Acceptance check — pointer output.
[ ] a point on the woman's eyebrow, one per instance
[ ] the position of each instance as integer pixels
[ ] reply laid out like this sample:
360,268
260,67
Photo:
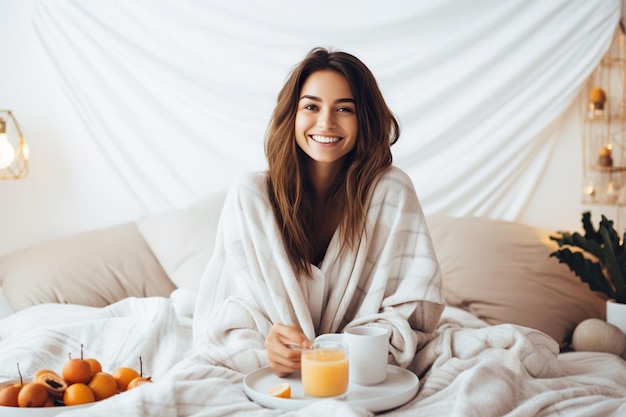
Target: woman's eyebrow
339,100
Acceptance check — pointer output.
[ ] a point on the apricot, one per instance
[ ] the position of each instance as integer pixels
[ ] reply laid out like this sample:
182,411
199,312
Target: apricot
78,393
123,375
55,385
103,385
77,371
140,380
8,395
44,371
32,394
95,365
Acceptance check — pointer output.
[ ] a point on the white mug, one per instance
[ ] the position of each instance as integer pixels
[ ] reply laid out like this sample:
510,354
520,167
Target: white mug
368,352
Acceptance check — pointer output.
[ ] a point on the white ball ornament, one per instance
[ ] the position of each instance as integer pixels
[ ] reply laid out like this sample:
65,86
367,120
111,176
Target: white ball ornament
595,335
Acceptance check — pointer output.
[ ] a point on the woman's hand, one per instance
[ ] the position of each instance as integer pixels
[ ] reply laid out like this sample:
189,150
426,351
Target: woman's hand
283,359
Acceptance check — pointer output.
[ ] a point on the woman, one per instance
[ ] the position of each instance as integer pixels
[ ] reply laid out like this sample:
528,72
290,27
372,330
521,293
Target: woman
331,236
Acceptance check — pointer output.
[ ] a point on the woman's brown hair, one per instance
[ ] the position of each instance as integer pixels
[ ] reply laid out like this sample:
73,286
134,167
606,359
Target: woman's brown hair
288,180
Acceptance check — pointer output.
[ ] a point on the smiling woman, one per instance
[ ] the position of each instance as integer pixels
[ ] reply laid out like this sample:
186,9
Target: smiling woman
332,108
329,237
326,121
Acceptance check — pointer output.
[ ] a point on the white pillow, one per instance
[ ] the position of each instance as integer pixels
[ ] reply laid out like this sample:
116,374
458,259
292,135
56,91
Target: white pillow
94,268
183,240
502,272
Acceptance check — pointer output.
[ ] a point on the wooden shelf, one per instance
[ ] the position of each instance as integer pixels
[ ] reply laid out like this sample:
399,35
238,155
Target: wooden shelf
606,119
604,131
608,170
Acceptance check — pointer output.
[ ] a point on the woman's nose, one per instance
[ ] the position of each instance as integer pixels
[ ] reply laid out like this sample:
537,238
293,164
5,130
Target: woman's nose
326,120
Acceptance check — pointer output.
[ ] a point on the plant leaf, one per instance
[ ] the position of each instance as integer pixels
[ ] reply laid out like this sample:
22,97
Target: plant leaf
602,262
590,231
588,271
610,261
577,240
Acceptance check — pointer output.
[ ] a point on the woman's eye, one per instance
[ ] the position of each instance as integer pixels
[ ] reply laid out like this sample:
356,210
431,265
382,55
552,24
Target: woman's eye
346,109
310,107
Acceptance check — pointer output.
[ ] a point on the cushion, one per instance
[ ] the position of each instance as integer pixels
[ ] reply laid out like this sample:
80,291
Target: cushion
183,239
94,268
502,273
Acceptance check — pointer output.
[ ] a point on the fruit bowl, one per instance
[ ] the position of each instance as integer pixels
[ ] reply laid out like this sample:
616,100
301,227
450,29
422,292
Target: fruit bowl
35,411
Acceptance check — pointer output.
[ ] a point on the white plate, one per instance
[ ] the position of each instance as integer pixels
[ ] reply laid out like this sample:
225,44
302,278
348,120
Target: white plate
34,411
399,388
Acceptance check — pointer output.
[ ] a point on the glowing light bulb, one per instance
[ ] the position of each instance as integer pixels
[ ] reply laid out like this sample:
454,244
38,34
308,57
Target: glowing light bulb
7,153
25,150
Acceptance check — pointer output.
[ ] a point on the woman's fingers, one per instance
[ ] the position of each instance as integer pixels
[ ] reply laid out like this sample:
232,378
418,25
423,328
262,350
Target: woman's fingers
283,359
292,335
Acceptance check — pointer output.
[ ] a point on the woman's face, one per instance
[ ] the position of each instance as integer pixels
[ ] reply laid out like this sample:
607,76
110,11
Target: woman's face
326,122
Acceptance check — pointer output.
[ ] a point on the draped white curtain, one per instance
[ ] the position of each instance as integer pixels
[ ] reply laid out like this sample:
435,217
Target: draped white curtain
178,93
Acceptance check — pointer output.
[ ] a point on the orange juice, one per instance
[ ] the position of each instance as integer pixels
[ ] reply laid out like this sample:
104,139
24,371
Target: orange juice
325,370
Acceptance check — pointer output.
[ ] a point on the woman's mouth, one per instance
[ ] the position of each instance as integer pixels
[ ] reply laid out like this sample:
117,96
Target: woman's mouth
325,139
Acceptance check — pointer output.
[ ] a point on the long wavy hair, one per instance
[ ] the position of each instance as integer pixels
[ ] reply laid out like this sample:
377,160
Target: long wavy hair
289,183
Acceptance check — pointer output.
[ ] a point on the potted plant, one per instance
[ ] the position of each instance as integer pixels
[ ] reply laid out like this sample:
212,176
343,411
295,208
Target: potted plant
599,259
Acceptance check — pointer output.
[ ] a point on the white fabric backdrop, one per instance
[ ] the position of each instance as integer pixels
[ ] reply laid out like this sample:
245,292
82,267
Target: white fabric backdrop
177,93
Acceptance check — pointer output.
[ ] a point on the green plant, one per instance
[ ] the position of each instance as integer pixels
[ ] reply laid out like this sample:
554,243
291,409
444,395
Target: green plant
605,269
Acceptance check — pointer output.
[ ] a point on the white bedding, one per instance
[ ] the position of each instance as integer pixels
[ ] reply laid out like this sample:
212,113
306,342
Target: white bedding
473,368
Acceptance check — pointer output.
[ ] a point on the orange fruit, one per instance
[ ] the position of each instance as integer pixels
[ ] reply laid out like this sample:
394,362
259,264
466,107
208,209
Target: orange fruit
282,390
33,394
103,385
77,370
44,371
123,375
52,381
95,365
8,395
78,393
140,380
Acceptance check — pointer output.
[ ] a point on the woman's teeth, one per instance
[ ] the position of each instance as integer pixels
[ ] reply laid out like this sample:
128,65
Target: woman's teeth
324,139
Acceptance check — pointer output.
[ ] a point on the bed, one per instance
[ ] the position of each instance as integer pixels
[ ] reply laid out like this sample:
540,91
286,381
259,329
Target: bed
502,346
483,90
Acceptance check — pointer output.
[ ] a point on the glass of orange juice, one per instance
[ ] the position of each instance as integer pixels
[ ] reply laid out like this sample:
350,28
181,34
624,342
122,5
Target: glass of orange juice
325,369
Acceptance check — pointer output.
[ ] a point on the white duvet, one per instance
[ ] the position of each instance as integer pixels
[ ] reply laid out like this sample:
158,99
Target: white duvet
472,369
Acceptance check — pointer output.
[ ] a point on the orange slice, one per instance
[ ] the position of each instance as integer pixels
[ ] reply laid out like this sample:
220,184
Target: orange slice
282,390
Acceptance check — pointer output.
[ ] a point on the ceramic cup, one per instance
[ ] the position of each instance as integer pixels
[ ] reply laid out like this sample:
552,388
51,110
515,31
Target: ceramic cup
324,369
368,352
